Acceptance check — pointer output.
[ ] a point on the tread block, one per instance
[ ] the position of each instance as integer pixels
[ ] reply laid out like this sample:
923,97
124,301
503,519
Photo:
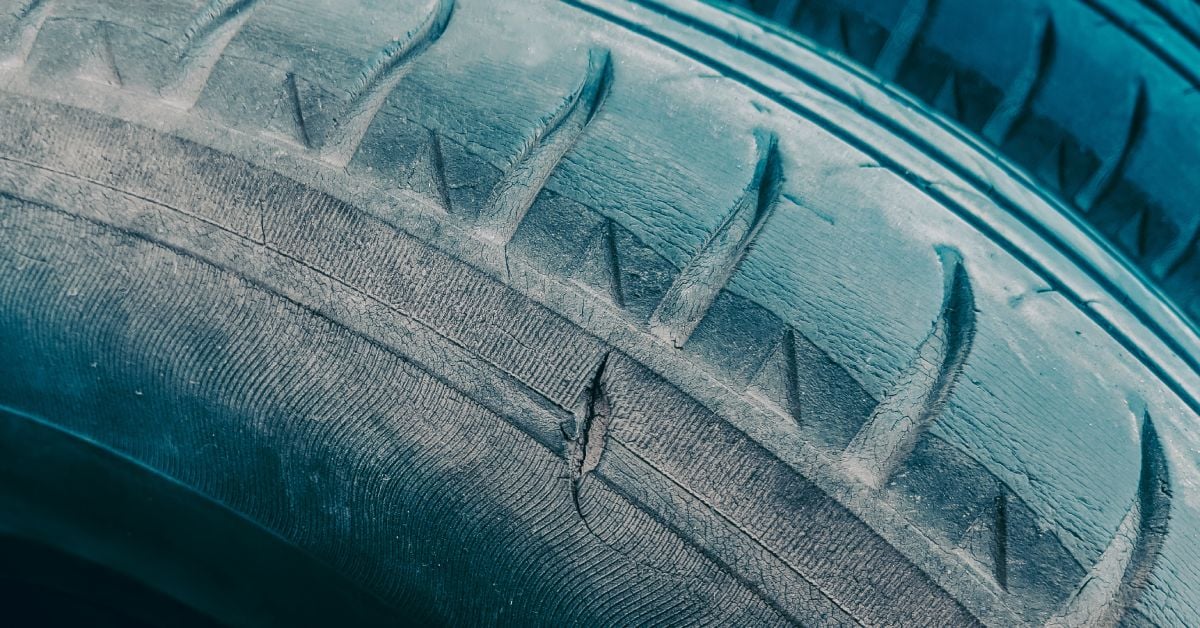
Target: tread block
958,498
560,235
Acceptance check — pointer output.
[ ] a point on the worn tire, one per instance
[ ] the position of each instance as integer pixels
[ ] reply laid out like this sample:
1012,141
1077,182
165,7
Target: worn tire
591,312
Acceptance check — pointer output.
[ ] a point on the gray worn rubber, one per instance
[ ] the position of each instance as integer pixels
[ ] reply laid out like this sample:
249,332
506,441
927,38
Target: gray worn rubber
566,313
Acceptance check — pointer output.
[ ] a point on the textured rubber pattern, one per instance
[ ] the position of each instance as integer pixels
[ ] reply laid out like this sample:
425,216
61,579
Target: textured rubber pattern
559,313
1095,99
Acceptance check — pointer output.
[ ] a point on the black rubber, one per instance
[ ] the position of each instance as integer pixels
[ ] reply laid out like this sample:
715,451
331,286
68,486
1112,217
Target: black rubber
594,312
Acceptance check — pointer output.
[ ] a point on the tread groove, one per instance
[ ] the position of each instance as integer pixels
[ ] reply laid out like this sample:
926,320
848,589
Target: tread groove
30,20
427,173
1025,87
785,11
1000,539
295,111
792,375
602,263
1115,582
1054,165
900,42
100,66
693,291
948,98
787,351
1184,250
378,78
517,189
1107,176
437,170
917,399
202,45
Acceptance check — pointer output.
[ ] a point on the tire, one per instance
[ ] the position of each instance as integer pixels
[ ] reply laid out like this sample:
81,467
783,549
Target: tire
582,312
1106,123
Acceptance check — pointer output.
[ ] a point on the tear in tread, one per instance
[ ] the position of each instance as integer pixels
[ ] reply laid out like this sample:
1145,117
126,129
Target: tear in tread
592,435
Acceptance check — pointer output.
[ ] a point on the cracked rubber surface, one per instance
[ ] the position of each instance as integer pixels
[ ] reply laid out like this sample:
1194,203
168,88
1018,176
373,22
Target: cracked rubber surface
1107,122
563,313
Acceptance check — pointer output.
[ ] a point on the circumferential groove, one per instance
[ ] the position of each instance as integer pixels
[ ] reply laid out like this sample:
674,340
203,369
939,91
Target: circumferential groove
1025,86
378,78
920,394
539,156
30,19
203,43
692,293
1103,181
1116,581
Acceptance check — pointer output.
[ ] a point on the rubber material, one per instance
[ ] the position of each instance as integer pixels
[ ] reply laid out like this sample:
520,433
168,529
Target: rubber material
1105,120
572,312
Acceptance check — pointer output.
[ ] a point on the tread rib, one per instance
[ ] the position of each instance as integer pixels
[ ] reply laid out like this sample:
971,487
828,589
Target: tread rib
917,399
692,293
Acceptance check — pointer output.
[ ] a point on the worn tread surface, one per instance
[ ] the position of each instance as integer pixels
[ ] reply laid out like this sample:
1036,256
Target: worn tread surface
475,328
1108,123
